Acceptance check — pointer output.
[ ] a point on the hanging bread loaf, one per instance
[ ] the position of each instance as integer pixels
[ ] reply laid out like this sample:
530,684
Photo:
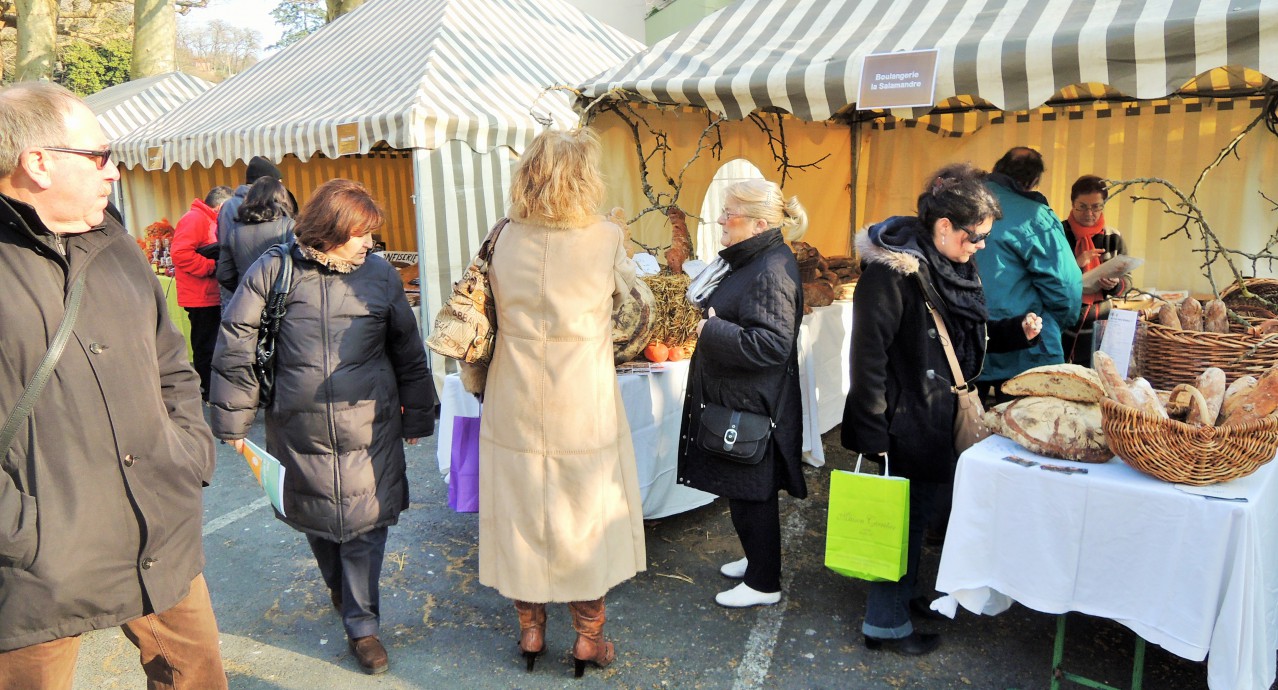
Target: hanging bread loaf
1057,428
1067,381
1215,317
1191,314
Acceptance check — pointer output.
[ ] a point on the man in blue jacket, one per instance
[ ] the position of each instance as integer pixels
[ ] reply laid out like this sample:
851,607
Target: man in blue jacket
1026,266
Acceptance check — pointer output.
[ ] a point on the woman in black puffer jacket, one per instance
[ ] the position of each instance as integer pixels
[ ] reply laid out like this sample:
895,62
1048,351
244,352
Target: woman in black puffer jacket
351,381
747,360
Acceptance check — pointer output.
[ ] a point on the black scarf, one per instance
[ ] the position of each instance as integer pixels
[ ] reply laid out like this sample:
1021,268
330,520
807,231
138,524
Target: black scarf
964,310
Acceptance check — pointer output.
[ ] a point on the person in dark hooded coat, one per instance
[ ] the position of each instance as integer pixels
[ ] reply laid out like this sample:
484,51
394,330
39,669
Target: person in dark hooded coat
902,402
747,360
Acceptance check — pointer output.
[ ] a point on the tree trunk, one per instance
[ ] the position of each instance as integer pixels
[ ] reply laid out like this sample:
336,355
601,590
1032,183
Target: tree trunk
337,8
154,38
37,36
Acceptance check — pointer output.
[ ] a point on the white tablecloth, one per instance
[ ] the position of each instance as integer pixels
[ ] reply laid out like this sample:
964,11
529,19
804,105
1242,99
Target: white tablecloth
1195,575
654,403
825,373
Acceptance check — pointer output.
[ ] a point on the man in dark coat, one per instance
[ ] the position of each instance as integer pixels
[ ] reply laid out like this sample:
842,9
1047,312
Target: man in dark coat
114,452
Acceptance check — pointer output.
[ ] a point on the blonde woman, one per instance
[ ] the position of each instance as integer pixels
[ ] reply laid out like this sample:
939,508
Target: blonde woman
560,518
747,360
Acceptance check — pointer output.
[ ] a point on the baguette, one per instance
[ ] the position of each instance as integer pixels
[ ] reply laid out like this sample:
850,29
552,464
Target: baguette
1241,385
1167,316
1211,383
1191,314
1146,398
1115,387
1215,317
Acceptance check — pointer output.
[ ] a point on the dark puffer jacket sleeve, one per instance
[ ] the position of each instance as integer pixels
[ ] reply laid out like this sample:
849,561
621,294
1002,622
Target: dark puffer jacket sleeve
408,358
234,388
878,305
765,335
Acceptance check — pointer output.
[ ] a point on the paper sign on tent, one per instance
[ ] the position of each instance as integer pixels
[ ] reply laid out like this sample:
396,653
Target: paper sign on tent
269,473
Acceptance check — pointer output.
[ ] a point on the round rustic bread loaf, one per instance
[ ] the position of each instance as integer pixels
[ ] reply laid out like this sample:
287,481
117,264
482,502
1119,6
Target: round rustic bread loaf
1067,381
1058,428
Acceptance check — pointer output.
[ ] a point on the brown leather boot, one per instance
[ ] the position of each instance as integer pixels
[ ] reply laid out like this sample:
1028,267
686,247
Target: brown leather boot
532,630
370,654
588,620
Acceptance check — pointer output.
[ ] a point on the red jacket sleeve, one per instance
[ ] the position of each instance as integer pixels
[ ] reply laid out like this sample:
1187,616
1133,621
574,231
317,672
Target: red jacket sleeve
190,233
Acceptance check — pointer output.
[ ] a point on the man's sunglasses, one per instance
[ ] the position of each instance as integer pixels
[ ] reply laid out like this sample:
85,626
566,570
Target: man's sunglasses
102,155
973,237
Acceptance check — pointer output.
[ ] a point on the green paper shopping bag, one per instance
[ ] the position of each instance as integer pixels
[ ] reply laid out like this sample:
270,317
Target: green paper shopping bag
868,525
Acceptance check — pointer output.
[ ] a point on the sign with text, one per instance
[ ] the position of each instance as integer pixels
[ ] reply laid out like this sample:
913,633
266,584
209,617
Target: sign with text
348,138
154,158
898,80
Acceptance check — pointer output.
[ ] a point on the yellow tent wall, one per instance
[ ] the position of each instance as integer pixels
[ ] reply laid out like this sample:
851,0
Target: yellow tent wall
151,195
1173,141
823,191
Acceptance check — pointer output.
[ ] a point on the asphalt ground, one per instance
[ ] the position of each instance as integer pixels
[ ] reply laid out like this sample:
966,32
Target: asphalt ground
445,630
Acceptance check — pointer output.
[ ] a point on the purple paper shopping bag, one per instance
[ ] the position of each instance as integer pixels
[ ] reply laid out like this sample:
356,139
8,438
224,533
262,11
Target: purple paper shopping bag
463,473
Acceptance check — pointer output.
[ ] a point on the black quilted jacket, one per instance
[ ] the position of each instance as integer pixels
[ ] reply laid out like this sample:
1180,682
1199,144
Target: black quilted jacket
747,359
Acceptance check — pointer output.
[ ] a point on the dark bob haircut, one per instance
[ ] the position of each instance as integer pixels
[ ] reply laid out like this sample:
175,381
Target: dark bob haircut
957,192
267,200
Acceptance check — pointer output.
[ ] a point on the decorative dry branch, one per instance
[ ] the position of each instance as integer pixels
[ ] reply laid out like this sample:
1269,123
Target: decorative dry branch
780,153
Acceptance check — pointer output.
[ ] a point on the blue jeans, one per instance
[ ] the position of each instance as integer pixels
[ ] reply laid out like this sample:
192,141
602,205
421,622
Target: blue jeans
887,605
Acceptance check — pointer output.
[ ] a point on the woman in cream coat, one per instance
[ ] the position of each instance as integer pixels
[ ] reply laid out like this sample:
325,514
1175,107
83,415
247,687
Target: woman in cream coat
560,518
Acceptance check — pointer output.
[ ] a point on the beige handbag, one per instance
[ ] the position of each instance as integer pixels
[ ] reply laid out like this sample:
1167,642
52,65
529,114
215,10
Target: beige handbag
466,326
968,427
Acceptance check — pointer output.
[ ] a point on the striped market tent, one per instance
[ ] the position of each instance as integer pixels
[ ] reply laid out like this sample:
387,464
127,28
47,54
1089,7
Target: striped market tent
1101,86
125,107
426,102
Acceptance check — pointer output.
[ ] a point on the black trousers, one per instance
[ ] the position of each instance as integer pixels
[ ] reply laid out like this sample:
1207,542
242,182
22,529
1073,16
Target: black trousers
758,525
353,567
204,325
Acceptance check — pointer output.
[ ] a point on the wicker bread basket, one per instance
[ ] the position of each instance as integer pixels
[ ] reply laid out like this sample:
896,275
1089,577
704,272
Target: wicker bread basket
1253,310
1168,356
1177,452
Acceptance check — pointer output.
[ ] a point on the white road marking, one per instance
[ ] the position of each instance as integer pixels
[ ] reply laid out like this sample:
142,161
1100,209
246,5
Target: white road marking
219,522
763,636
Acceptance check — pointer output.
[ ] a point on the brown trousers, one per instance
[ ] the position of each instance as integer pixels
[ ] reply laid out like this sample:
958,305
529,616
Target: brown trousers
179,650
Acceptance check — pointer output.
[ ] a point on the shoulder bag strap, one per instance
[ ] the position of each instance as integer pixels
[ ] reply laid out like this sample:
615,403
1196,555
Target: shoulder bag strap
35,387
960,384
490,243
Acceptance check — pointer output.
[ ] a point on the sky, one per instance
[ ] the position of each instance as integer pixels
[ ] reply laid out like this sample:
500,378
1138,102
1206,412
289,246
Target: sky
252,14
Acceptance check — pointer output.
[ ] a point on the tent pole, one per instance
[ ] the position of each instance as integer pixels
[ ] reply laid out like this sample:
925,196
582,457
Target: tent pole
855,126
427,258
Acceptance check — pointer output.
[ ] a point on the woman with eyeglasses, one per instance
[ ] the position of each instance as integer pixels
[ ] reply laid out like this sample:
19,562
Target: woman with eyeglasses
1093,244
901,402
747,362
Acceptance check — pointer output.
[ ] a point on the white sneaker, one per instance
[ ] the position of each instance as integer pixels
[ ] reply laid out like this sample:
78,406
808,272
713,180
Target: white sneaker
735,570
742,596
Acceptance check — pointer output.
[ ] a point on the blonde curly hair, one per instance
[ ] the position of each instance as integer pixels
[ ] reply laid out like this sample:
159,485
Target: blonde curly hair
558,181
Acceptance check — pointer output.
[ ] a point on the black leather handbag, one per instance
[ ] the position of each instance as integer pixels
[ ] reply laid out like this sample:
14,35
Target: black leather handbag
733,434
269,328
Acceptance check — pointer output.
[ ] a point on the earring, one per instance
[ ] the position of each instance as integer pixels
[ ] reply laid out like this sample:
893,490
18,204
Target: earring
943,239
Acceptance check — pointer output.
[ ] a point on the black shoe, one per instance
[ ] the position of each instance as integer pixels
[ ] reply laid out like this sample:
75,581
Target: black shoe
915,644
919,606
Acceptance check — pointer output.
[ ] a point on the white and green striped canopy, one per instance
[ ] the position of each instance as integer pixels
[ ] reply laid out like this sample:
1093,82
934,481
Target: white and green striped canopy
411,73
125,107
804,56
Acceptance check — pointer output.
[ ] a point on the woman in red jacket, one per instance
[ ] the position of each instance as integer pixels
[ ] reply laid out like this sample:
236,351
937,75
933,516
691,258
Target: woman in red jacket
197,288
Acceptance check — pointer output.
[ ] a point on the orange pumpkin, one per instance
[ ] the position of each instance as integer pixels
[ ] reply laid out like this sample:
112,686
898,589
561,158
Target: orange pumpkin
676,354
656,352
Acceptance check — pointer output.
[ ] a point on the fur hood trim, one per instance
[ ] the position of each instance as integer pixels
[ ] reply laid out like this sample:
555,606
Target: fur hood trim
870,252
332,262
562,224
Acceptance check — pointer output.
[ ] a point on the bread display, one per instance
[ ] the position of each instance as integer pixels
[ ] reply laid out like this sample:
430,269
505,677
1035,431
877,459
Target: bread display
822,277
1211,383
1215,317
1168,316
1146,399
1057,428
1065,381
